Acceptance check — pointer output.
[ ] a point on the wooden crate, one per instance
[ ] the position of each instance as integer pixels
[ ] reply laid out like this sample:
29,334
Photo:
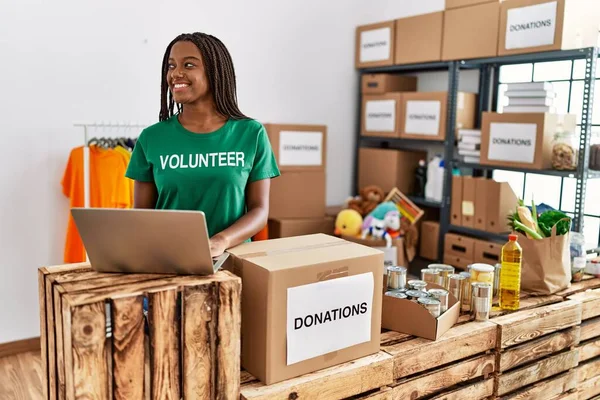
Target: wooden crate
189,346
535,345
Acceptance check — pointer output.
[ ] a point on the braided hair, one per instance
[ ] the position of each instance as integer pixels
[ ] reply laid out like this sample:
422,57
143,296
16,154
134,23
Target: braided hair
219,71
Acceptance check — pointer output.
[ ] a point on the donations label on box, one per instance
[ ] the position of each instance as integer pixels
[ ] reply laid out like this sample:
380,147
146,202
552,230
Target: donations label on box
380,115
328,316
375,44
422,117
531,26
300,148
512,142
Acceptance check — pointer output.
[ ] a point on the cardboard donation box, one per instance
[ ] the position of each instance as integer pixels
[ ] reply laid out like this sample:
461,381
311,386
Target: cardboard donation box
394,255
381,114
298,147
528,26
385,83
308,303
424,114
522,140
471,32
374,45
297,194
388,168
419,38
279,228
405,316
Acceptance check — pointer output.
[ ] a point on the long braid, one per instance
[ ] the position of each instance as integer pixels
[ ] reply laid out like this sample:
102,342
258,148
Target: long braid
219,72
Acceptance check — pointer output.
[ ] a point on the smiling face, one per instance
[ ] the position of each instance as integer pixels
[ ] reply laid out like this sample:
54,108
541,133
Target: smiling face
186,76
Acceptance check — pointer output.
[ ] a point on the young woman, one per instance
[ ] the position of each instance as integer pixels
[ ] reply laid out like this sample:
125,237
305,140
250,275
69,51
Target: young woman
207,156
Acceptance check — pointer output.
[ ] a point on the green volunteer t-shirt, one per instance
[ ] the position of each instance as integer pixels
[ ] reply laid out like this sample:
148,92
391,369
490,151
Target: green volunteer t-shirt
205,172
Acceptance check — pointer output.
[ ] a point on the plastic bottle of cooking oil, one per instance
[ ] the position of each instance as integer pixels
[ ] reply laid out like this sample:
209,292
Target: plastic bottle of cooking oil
510,274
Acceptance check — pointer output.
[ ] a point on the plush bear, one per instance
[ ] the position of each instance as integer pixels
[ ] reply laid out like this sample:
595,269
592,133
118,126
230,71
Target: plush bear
370,197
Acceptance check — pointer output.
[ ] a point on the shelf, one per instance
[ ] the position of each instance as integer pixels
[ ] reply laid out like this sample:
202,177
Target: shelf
421,67
420,201
552,172
499,237
397,143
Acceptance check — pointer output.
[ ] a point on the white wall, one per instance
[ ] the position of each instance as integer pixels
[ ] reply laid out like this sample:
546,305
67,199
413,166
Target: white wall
64,61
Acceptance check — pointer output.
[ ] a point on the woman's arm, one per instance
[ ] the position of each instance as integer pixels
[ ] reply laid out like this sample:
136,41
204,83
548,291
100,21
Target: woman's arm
257,202
144,194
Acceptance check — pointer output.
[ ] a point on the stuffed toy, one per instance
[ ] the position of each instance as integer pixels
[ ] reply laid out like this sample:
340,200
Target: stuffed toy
383,223
370,197
348,223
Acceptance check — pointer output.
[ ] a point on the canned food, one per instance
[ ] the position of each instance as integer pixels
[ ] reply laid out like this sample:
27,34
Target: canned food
432,305
466,302
396,277
442,296
431,275
482,294
397,294
416,284
445,271
455,286
416,294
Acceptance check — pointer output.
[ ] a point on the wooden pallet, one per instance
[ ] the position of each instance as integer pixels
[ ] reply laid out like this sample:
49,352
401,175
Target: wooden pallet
535,345
191,348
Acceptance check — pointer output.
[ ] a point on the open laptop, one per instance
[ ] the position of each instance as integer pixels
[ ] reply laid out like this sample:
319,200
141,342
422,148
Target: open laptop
146,241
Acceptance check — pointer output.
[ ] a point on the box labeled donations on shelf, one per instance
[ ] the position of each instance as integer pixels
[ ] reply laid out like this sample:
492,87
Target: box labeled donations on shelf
522,140
388,168
419,38
375,45
528,26
385,83
308,303
381,114
424,114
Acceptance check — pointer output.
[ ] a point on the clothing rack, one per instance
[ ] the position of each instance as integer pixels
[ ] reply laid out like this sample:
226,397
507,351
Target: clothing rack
86,148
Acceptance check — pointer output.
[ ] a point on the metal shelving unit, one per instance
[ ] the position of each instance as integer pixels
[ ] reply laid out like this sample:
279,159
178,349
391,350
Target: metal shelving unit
489,69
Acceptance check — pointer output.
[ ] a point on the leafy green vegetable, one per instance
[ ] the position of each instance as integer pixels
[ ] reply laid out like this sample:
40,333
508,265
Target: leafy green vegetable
550,218
526,229
543,222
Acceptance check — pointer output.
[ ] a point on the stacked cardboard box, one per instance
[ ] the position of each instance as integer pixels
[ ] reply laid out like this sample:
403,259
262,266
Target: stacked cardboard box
532,97
297,200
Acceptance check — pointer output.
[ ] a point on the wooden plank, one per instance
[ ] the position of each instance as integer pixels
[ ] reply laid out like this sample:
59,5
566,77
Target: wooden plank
389,338
138,288
89,374
439,380
539,348
527,302
128,348
53,324
228,339
341,381
64,268
460,342
588,283
109,281
547,389
164,342
589,350
20,346
590,303
524,326
60,314
590,329
567,396
588,370
43,334
545,368
199,340
384,393
589,389
479,390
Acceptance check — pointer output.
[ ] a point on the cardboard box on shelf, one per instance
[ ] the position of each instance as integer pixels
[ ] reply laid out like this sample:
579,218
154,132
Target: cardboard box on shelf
280,228
468,202
481,200
450,4
386,83
521,140
394,255
299,294
419,38
388,168
375,45
528,26
398,312
298,147
430,234
471,32
457,261
487,252
456,200
501,202
381,114
459,246
424,114
298,194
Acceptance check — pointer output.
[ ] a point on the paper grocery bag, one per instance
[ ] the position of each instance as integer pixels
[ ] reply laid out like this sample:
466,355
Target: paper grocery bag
546,266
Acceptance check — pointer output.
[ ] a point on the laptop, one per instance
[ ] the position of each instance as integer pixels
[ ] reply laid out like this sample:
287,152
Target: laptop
146,241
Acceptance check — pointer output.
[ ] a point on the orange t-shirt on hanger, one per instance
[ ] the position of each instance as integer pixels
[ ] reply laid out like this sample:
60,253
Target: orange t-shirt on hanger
109,188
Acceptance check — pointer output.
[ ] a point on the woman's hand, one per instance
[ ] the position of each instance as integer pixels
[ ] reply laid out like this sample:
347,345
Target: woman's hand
218,245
